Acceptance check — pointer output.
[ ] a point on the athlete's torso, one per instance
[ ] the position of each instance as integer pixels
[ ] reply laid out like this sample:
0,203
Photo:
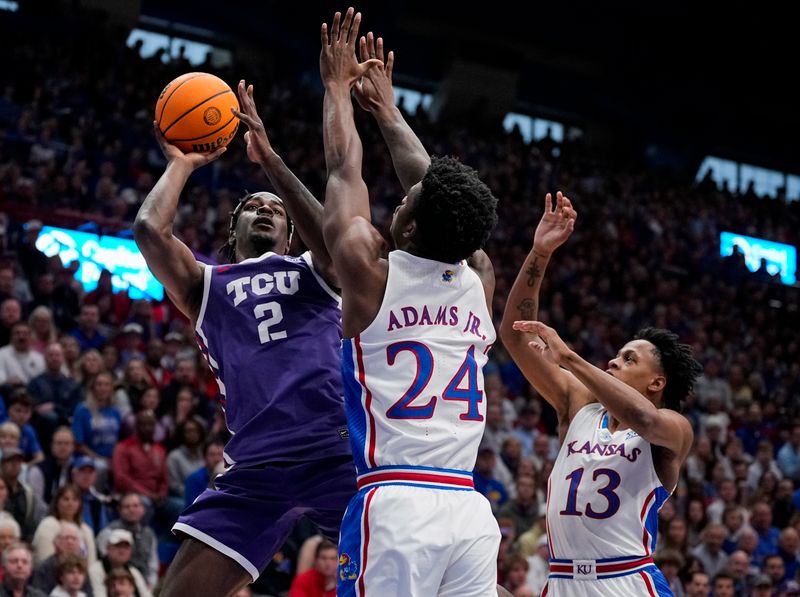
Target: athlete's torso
413,378
604,493
270,329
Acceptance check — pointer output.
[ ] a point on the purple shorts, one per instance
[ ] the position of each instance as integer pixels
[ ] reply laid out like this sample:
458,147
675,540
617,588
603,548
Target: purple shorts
252,510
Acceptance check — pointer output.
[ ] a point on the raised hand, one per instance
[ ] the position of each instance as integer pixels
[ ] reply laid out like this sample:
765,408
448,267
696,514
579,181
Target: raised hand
549,344
337,60
173,154
374,90
556,226
258,145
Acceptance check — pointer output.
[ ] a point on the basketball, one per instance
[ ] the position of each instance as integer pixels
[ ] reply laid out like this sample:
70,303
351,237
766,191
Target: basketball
193,113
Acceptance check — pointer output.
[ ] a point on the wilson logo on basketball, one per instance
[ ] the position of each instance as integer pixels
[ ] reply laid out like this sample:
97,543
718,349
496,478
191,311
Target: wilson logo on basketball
212,116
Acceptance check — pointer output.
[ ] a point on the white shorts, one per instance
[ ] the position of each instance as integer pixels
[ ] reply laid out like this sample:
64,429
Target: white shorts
399,540
644,582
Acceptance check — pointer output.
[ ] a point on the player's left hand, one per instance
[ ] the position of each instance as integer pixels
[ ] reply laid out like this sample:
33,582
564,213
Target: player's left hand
374,91
556,225
549,344
337,61
258,145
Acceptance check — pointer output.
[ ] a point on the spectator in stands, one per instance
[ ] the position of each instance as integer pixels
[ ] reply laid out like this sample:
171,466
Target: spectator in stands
18,567
723,585
199,480
789,456
20,409
43,329
130,342
11,286
157,373
150,400
320,581
789,588
727,497
95,504
68,544
709,551
670,563
97,423
740,569
87,332
762,586
697,521
764,463
131,519
120,583
22,503
55,395
761,521
10,315
19,363
72,353
483,477
53,472
185,408
789,550
73,579
140,464
66,506
698,585
133,385
775,569
523,510
783,506
529,427
119,550
187,456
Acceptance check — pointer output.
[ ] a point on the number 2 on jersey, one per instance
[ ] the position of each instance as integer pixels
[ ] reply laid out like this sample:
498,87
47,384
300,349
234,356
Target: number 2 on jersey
403,408
275,316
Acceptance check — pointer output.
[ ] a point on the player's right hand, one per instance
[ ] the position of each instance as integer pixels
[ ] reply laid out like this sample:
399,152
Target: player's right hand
374,91
556,225
173,154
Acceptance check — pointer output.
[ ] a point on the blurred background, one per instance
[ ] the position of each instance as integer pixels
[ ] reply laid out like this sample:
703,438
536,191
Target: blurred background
672,130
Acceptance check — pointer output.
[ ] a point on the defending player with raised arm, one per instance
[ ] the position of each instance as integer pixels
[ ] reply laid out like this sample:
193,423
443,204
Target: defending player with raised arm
266,323
622,451
554,228
417,328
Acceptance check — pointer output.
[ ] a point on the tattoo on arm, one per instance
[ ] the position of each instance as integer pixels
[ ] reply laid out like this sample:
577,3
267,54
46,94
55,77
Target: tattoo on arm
527,308
534,272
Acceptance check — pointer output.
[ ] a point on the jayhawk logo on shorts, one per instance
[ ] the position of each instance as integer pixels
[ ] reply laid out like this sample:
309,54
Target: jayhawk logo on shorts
447,276
348,569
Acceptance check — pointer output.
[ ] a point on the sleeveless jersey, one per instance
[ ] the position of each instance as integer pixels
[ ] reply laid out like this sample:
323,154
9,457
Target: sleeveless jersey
270,329
413,379
603,494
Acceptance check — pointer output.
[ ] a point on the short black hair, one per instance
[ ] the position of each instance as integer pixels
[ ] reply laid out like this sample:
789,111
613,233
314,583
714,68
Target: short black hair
678,363
455,211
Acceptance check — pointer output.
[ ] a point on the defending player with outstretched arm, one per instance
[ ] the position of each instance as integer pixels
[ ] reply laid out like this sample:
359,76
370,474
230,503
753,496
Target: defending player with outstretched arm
623,438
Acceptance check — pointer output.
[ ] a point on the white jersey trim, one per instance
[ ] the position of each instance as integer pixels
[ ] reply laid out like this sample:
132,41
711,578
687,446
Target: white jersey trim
206,288
219,546
309,260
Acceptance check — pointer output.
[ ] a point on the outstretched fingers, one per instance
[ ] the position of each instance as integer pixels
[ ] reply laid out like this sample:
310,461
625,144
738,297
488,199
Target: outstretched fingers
352,34
389,64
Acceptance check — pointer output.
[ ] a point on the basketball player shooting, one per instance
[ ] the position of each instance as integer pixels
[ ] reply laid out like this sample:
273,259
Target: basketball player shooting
267,324
417,328
623,437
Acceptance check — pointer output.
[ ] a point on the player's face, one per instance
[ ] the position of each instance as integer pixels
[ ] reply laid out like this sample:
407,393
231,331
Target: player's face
637,366
402,226
262,226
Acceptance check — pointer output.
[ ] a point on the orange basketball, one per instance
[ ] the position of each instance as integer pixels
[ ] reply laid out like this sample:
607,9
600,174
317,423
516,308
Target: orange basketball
193,113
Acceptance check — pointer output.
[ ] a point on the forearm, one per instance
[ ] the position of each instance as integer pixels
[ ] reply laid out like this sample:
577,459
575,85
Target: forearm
523,300
409,156
623,402
343,156
159,208
303,208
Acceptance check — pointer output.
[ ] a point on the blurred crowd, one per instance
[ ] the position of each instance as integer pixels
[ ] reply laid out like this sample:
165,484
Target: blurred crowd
110,422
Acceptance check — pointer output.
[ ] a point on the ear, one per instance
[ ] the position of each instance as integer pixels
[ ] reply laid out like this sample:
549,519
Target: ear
657,384
410,229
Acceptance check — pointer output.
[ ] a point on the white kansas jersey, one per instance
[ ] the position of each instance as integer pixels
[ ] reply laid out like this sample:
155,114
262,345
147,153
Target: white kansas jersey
414,380
603,494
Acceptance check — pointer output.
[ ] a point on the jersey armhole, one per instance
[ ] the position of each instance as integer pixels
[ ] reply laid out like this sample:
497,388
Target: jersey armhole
333,294
206,291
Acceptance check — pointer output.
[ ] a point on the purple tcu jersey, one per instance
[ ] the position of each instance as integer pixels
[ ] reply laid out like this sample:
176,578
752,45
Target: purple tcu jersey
270,328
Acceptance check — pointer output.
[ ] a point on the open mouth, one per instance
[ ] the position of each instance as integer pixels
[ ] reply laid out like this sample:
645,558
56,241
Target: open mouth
263,223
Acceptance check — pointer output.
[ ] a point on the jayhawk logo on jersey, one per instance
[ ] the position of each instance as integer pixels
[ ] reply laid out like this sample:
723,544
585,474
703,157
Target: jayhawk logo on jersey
348,569
447,275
